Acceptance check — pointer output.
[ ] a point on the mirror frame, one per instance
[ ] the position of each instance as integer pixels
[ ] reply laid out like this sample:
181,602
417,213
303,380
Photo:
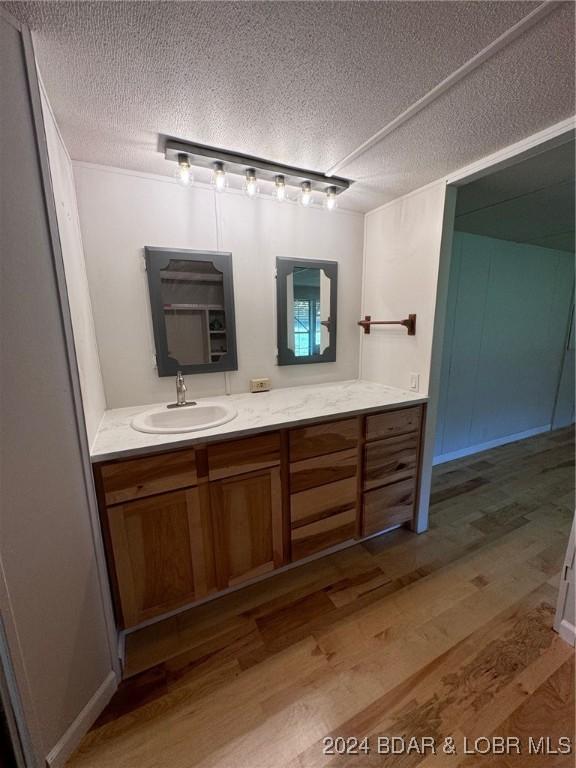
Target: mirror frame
156,259
284,267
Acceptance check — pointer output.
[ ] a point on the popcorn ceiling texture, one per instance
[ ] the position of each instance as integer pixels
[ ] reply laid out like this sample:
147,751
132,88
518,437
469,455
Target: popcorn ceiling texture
299,82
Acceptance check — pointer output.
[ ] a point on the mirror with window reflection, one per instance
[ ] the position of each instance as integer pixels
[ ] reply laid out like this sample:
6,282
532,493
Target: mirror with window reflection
192,303
307,308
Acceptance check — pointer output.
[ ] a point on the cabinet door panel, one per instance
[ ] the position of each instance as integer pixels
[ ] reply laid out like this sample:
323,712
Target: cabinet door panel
388,461
160,553
247,518
388,506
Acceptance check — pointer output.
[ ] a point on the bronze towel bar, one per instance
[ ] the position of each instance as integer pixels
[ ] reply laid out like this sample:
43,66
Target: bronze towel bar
409,323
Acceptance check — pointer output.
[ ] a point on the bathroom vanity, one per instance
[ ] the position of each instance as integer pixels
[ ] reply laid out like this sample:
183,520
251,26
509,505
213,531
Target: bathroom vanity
298,473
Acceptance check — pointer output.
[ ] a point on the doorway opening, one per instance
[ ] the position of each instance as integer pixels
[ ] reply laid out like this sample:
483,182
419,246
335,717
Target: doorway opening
505,407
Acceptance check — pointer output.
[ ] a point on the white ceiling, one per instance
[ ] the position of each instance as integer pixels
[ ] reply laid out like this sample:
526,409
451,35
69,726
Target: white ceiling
530,202
303,83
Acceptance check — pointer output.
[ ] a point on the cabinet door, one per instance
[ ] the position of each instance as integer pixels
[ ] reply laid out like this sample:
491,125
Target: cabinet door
247,519
162,553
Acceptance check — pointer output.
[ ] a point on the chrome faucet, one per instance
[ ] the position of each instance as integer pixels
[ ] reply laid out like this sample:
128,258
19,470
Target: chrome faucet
180,389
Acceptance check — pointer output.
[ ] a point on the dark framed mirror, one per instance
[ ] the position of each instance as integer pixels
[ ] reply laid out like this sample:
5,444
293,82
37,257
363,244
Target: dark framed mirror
307,308
192,303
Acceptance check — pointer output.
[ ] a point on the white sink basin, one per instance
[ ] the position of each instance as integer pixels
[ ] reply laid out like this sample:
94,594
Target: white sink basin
189,418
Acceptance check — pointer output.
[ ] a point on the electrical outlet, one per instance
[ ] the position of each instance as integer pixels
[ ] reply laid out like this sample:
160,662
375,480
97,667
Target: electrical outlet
259,385
415,381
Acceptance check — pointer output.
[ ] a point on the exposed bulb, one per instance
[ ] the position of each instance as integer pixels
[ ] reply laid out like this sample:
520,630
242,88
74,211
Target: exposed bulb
219,176
331,201
305,194
184,174
280,188
250,185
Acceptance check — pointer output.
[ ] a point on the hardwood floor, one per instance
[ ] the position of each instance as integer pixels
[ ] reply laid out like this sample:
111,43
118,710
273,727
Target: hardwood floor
446,634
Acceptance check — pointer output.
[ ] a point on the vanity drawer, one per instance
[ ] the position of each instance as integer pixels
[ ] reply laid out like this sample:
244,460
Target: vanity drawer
325,533
388,461
388,506
137,478
235,457
321,470
393,423
322,517
307,442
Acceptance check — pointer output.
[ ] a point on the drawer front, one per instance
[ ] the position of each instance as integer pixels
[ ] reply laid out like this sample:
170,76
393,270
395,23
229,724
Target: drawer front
388,461
388,506
307,442
320,470
322,517
235,457
393,423
138,478
323,534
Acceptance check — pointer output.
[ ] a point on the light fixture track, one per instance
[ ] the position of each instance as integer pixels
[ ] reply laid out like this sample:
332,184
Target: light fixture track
203,156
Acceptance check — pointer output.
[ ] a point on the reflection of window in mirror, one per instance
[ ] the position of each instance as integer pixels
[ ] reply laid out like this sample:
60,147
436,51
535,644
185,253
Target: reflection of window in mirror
193,310
307,311
304,332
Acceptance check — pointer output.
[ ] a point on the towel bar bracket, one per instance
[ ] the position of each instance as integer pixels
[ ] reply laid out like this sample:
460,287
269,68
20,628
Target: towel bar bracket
409,323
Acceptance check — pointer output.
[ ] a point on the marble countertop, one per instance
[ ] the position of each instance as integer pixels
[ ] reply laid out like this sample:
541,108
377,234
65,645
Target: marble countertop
256,413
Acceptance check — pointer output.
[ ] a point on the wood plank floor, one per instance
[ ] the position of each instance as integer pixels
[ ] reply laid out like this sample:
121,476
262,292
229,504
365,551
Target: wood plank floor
444,634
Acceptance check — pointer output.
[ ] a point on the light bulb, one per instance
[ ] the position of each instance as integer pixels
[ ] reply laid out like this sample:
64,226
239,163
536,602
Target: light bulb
305,194
280,188
218,176
184,173
331,202
250,185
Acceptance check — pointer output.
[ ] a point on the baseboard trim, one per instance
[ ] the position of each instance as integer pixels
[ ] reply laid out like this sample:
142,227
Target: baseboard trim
479,447
567,632
62,750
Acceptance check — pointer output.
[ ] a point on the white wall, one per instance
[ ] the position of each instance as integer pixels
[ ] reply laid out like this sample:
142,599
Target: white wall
401,261
508,314
121,212
91,383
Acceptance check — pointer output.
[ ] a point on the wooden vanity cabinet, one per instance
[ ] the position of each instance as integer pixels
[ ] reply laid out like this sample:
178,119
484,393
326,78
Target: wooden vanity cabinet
186,524
183,524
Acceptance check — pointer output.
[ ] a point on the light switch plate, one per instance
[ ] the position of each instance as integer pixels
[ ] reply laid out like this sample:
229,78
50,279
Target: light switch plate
259,385
415,381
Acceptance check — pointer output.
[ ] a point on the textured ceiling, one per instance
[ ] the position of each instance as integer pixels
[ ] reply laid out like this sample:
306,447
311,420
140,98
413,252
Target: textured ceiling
303,83
530,202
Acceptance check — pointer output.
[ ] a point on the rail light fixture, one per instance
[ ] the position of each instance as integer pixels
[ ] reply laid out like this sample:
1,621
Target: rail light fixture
222,163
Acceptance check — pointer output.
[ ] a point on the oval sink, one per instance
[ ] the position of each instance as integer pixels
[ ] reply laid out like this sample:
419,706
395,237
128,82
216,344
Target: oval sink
187,418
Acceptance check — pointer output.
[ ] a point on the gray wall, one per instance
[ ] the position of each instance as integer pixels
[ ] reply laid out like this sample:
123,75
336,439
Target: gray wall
507,321
52,598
